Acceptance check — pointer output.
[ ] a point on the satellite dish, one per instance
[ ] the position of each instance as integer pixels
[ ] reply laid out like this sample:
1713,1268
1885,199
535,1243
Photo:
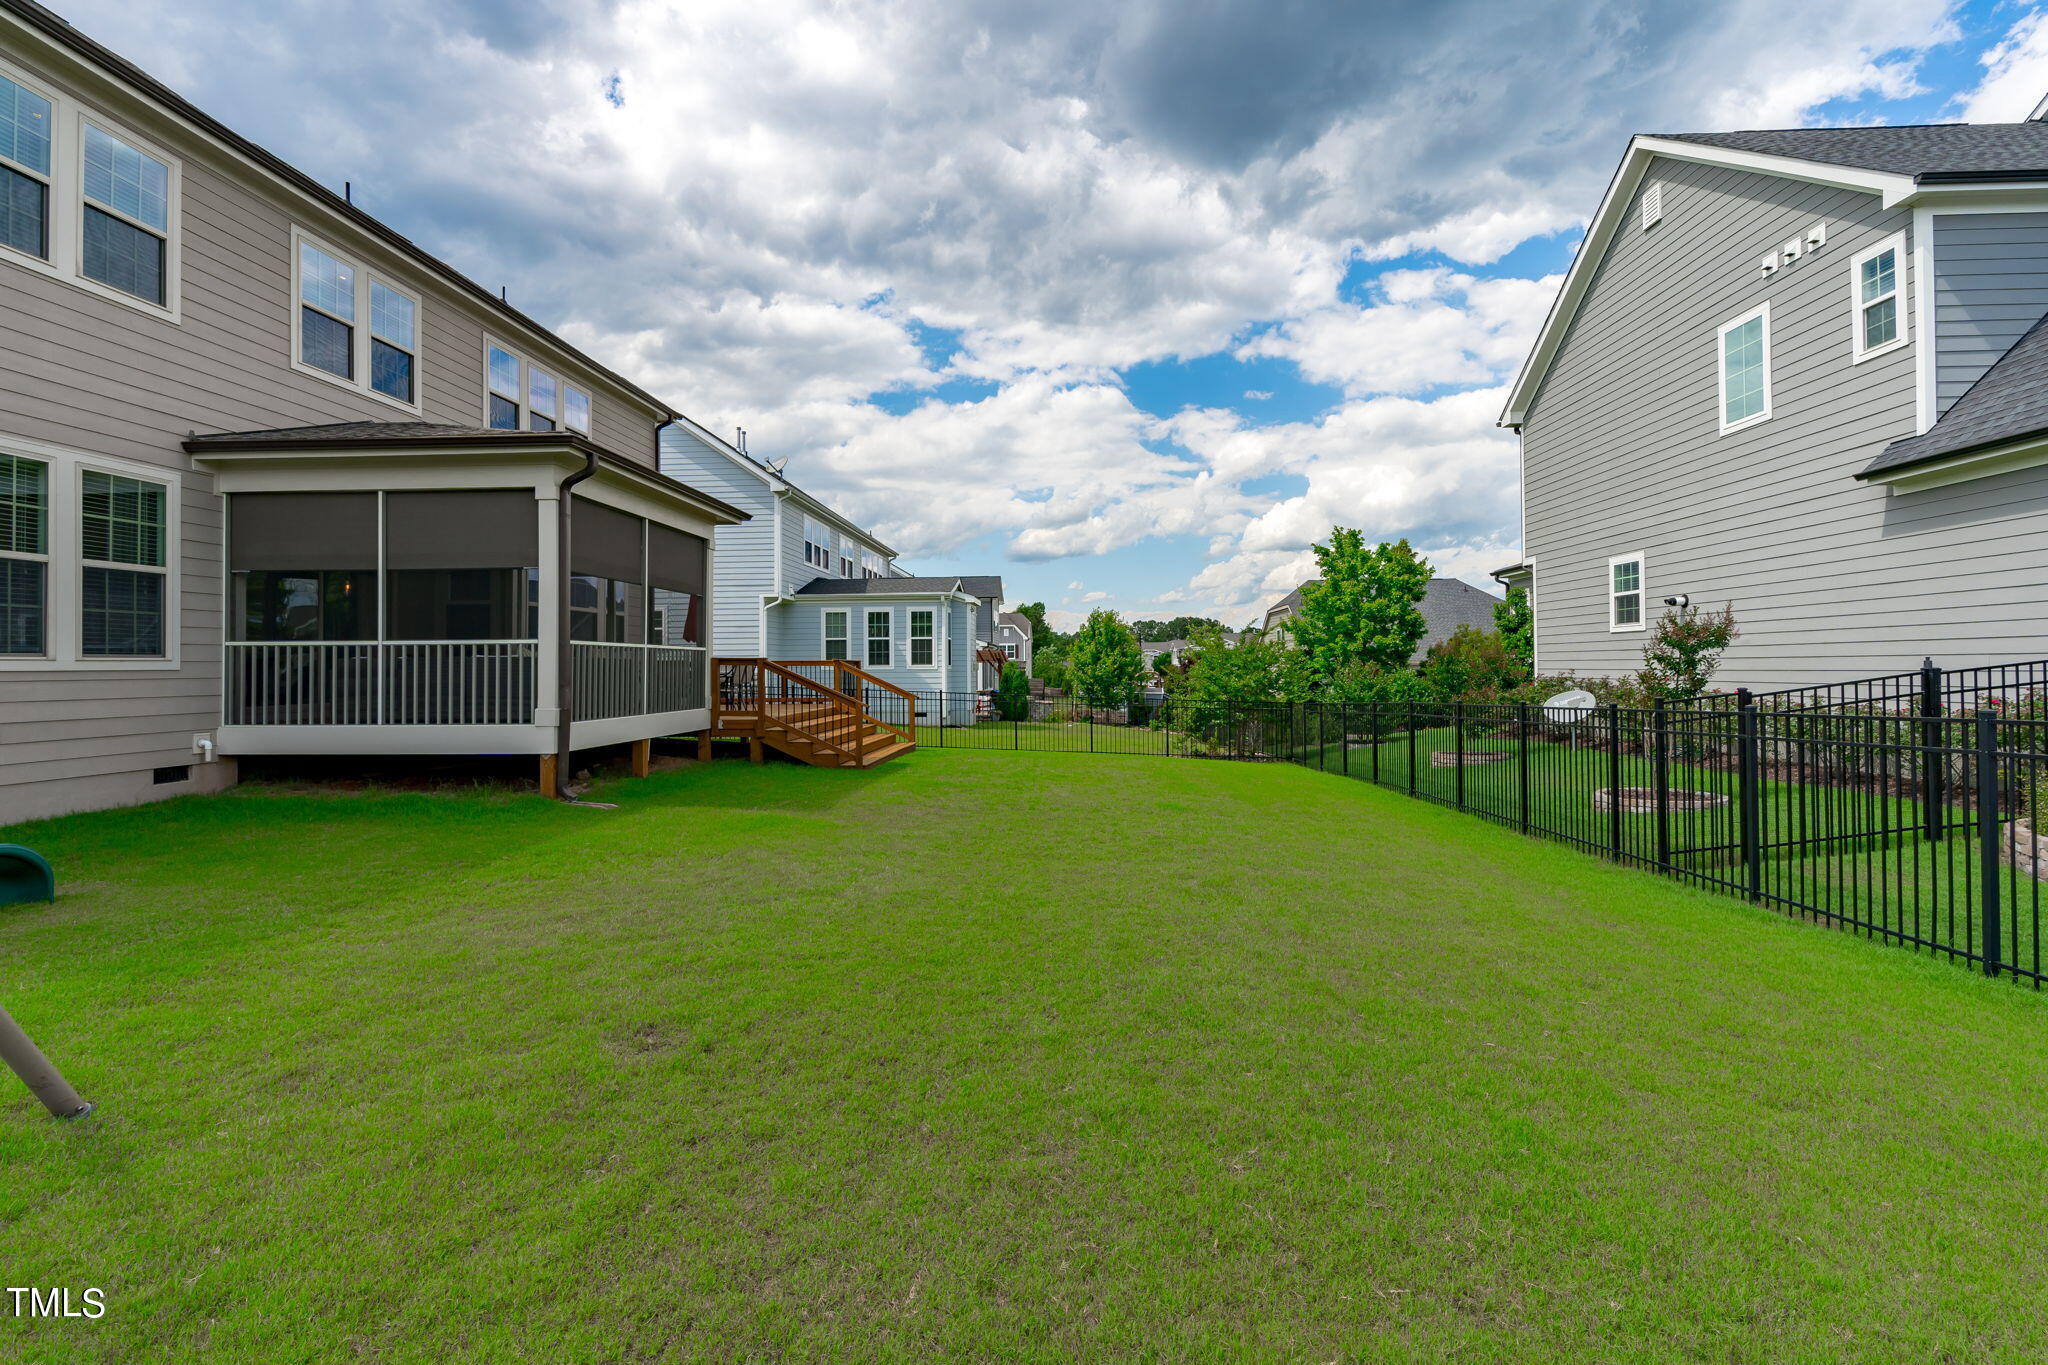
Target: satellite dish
1568,707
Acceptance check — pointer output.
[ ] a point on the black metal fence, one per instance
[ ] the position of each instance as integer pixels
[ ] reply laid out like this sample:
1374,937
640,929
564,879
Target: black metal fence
1915,829
1928,690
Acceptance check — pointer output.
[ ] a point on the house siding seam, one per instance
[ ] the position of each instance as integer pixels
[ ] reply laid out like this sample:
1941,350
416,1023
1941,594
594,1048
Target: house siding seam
90,375
1829,578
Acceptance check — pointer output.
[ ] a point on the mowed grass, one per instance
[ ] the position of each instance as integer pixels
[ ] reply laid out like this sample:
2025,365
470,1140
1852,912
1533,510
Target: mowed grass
983,1056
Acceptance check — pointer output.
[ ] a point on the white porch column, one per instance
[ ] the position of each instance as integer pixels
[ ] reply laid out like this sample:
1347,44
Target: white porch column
546,674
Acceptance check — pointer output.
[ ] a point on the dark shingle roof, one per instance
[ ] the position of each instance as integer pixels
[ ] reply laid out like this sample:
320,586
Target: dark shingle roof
415,435
1926,151
975,585
2008,401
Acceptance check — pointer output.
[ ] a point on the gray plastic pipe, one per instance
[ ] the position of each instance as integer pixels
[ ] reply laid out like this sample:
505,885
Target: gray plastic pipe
27,1061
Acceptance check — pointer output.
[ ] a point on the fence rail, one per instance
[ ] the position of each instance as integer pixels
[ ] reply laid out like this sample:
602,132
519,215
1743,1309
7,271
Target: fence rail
1928,690
1914,829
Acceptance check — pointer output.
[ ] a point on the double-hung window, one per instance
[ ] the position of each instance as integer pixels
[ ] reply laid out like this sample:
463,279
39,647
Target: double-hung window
127,217
24,556
336,297
1625,592
837,644
1875,280
523,396
881,641
817,545
870,564
1744,351
122,597
85,201
24,169
923,639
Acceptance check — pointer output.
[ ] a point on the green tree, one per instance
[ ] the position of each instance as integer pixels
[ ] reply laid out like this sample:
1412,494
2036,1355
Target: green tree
1515,619
1179,628
1104,662
1473,665
1013,694
1364,608
1684,649
1220,677
1043,636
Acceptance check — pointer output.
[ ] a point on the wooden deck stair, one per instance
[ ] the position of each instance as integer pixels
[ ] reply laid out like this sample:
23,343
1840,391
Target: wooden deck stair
817,711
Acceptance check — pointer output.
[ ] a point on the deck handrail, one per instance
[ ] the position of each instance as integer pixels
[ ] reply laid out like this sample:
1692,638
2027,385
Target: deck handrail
851,703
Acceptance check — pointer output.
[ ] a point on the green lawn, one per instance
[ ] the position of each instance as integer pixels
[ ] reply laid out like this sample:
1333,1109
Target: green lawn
989,1056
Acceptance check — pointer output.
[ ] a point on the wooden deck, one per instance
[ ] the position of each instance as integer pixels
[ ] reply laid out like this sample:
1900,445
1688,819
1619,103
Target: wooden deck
809,709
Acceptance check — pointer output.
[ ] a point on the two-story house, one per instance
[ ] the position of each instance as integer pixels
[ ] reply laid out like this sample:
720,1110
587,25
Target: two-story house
1013,639
798,582
1800,372
273,480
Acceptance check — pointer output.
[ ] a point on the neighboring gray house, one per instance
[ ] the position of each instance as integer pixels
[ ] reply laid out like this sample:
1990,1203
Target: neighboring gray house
275,481
1013,638
798,582
1447,604
1177,650
1802,372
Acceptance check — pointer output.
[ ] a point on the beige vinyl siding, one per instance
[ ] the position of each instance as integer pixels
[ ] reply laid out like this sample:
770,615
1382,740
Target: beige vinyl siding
100,378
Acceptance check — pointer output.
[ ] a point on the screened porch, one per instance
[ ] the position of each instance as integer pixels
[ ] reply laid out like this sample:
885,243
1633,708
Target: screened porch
425,620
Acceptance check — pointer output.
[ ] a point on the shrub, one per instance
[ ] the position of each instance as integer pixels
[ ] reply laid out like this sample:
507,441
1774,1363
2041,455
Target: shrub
1473,665
1013,694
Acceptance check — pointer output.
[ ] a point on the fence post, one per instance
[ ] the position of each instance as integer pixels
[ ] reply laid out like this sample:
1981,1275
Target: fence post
1344,737
1987,837
1411,748
1752,854
1933,763
1661,775
1458,748
1522,762
1375,736
1614,780
1091,729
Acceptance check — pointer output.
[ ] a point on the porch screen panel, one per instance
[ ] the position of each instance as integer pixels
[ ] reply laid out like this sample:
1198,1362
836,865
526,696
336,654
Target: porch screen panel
484,529
676,571
604,543
302,531
675,559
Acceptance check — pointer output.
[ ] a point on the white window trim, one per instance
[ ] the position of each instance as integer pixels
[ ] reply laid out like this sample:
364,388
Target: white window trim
910,636
64,581
1721,370
1642,620
866,621
825,631
66,223
359,339
527,365
818,534
1896,244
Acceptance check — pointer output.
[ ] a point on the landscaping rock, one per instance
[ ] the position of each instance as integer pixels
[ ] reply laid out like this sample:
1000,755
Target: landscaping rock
1643,800
1449,758
2023,850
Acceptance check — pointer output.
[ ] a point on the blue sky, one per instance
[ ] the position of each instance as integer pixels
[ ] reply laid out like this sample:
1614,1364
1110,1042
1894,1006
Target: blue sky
1128,303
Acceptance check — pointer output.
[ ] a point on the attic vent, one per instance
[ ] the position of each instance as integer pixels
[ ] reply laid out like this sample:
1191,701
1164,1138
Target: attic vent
1653,206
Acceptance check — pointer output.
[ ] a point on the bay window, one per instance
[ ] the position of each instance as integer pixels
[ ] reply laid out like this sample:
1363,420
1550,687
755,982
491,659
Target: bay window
923,638
880,638
817,545
521,396
540,400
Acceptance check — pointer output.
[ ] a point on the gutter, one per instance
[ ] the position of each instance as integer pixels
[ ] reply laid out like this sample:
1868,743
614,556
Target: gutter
565,649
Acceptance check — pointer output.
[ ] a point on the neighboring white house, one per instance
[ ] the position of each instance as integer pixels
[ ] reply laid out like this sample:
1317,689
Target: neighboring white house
801,582
1447,604
1805,373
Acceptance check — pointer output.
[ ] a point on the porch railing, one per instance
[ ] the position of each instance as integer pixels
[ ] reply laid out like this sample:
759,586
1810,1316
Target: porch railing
367,682
637,680
447,682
